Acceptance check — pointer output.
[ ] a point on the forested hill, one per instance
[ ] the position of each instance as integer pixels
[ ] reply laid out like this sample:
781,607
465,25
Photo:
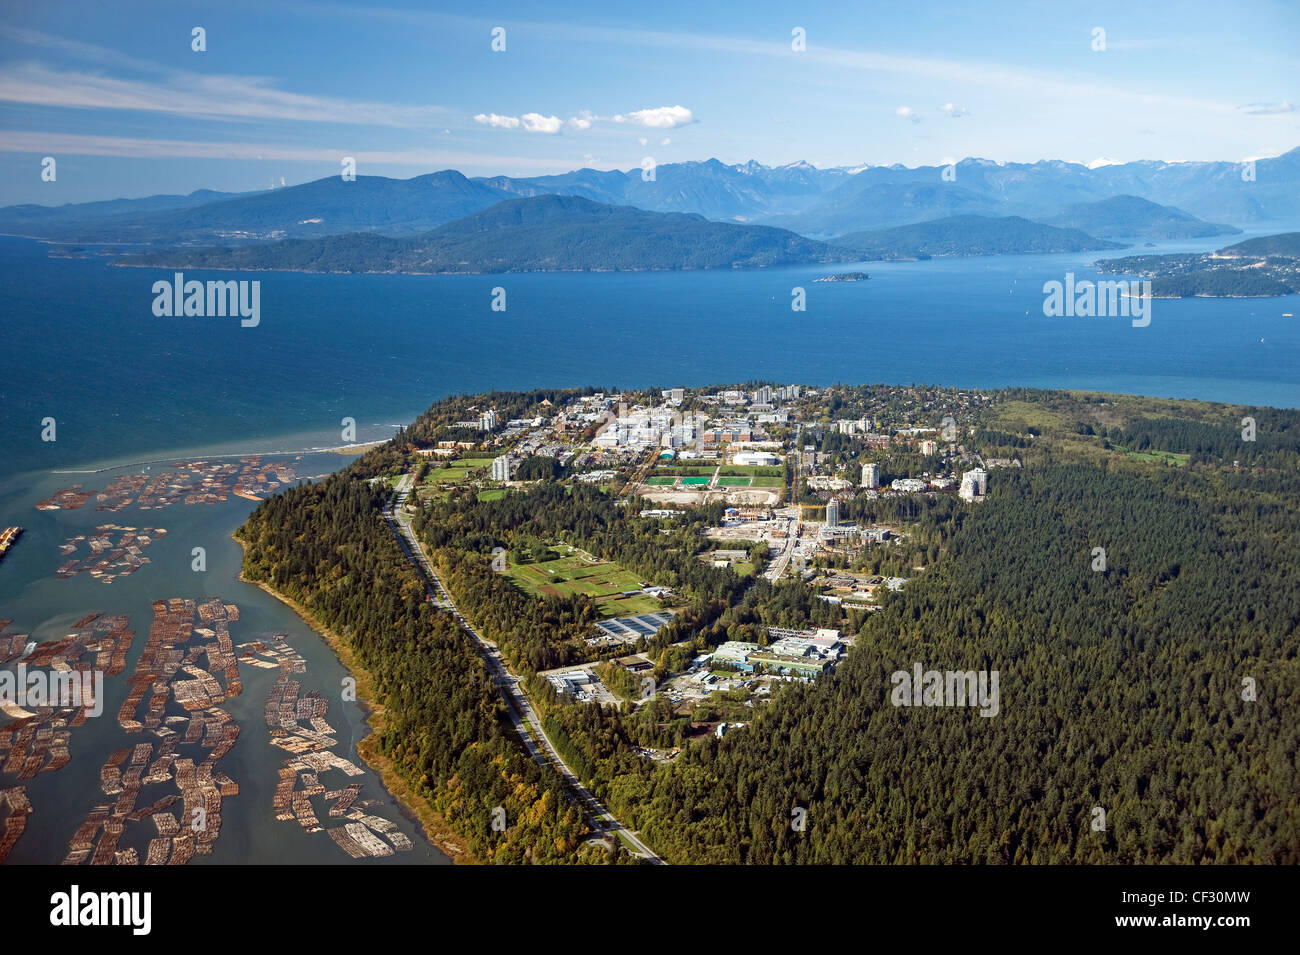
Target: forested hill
539,234
969,235
1260,267
1158,690
1120,690
326,547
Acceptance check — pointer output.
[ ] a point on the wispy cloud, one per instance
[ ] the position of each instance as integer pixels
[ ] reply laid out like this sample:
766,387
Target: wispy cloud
1268,109
204,97
662,117
35,142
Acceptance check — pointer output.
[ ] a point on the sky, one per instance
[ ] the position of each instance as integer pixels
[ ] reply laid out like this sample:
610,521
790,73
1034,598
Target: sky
284,89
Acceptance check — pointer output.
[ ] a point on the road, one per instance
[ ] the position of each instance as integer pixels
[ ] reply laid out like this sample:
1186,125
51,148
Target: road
522,716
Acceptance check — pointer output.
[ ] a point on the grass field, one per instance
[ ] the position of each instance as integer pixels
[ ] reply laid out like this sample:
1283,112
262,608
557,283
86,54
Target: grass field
602,580
448,475
694,481
734,481
767,482
475,462
492,494
1168,457
753,470
661,481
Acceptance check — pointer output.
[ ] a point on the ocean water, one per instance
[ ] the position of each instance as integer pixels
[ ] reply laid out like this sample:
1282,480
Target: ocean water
80,344
127,390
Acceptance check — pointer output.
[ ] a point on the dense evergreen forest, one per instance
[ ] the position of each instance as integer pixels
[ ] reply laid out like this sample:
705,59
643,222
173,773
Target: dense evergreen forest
327,547
1120,689
1159,688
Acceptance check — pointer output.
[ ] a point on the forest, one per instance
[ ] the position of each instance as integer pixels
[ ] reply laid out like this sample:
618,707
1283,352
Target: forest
327,547
1144,619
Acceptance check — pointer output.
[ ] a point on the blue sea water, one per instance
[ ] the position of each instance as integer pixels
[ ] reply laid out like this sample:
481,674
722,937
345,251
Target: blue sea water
80,344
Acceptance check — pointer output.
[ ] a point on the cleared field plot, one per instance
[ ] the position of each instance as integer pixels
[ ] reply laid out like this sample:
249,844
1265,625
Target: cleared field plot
447,475
492,494
602,581
1168,457
694,481
767,482
735,481
661,481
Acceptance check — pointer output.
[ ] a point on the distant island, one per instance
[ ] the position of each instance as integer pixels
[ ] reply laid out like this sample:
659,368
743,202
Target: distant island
1135,217
1265,267
538,234
969,235
844,277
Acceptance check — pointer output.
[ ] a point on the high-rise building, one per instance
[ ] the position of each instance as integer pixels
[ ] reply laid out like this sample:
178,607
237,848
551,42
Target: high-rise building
973,484
501,468
833,512
871,475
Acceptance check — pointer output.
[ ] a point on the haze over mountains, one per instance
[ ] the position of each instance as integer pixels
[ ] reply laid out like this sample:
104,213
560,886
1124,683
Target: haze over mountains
690,215
818,203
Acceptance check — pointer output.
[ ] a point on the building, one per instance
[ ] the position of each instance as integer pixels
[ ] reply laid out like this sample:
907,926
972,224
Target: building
833,512
501,468
871,475
909,485
487,421
929,447
762,458
974,485
736,654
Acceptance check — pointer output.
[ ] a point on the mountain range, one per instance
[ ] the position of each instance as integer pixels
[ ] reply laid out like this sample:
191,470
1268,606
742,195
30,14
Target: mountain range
816,203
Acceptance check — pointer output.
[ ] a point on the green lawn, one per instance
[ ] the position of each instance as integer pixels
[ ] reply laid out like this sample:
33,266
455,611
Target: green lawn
735,481
694,481
768,482
449,475
492,494
475,462
602,580
661,481
754,470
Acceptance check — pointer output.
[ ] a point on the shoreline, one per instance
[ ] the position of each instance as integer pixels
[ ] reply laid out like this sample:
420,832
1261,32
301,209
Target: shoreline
341,449
435,828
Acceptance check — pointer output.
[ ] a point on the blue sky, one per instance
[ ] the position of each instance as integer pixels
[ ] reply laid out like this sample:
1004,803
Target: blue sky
116,94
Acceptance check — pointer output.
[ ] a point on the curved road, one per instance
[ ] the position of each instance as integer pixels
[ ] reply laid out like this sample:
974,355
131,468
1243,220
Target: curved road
521,712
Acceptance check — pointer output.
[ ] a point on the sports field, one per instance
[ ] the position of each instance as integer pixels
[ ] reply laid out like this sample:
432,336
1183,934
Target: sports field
603,580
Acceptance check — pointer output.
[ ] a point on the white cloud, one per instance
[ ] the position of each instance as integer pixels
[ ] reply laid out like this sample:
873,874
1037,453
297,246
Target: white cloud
76,144
642,140
951,111
661,117
582,121
665,141
537,123
906,112
1268,109
500,122
201,96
